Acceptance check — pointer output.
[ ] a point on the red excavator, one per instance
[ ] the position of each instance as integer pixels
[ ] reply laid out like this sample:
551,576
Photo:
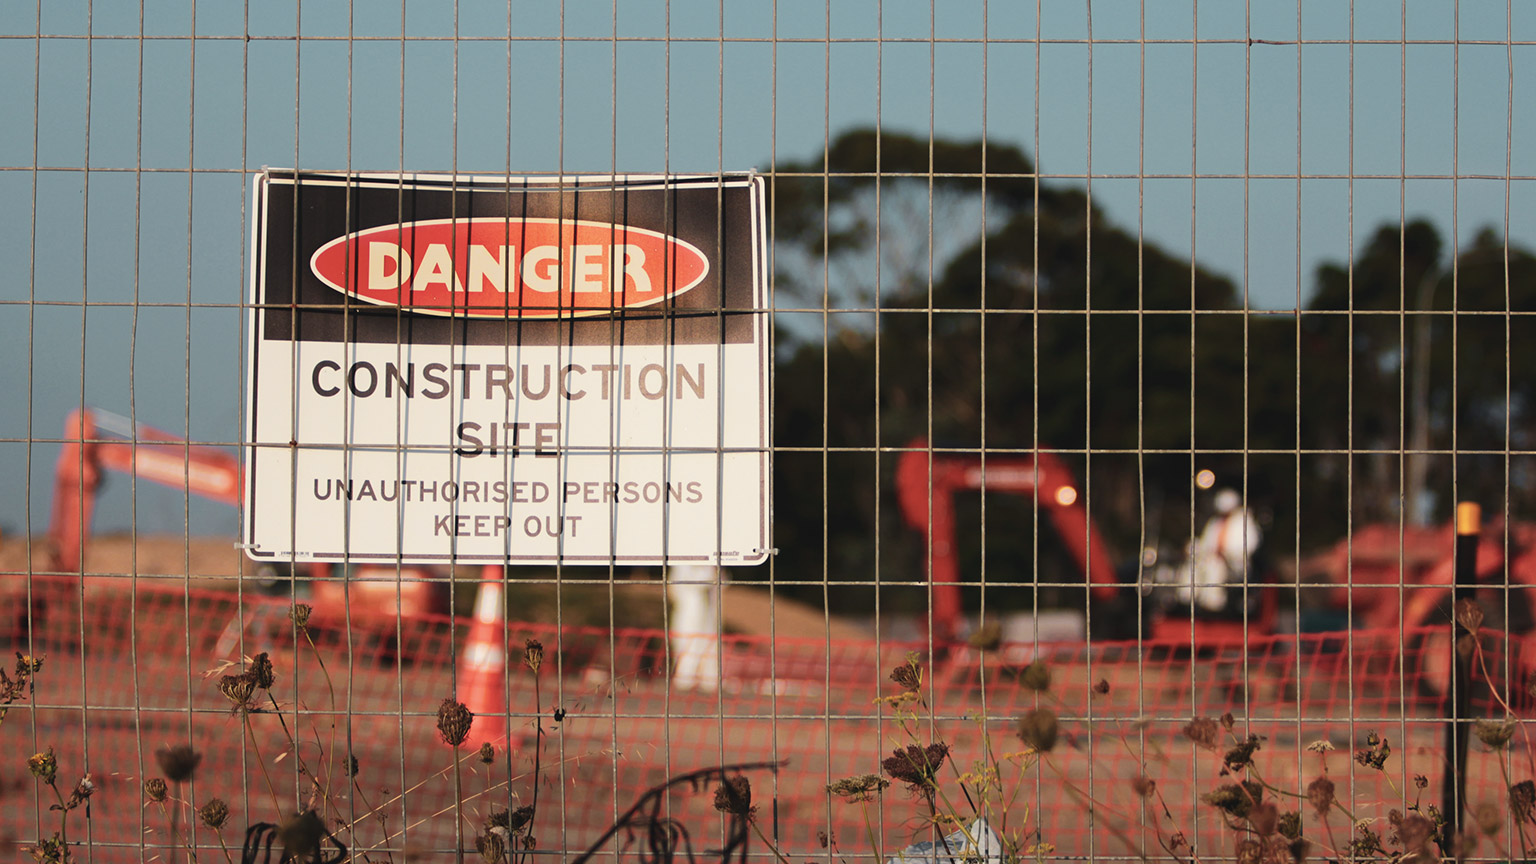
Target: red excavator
1390,577
926,484
96,441
1399,579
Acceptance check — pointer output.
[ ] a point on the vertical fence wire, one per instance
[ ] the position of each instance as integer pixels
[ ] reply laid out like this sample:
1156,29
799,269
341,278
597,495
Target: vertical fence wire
1345,643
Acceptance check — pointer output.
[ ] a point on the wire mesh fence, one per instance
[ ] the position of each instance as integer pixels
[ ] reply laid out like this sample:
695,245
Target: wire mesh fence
805,700
1126,370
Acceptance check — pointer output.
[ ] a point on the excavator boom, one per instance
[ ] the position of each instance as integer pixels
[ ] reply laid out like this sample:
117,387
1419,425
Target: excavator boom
94,441
926,483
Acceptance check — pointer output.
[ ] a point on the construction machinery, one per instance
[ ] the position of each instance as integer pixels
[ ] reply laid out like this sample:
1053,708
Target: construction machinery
927,483
97,441
1396,576
1402,579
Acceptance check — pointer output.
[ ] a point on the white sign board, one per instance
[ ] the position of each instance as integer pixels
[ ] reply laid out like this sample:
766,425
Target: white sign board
527,370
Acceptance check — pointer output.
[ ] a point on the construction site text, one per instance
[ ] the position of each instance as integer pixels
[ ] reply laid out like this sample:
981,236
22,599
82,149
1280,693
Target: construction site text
505,381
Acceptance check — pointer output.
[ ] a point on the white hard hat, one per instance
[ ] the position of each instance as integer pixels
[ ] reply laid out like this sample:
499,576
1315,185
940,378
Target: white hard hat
1227,500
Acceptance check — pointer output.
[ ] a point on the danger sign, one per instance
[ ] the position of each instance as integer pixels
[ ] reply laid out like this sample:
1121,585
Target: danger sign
529,370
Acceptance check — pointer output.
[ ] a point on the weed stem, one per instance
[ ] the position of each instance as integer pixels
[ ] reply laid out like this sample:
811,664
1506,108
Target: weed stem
250,732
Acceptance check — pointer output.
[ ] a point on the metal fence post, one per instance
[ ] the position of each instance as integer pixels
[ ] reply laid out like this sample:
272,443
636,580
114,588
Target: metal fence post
1459,697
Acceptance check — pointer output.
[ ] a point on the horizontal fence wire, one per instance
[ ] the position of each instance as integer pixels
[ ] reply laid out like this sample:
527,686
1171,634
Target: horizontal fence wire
809,702
1047,282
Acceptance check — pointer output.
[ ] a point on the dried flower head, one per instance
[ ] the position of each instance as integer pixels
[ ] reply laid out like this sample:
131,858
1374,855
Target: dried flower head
514,821
1265,819
1495,733
44,766
238,689
1143,785
214,813
822,838
1228,721
861,787
1299,848
916,766
986,637
909,675
1420,781
1366,842
491,846
1469,614
453,722
1238,799
533,654
1037,676
154,789
1249,851
1290,824
734,796
50,850
487,753
1415,832
1038,730
261,671
1321,745
20,686
1241,756
1320,795
299,614
1101,687
1522,800
1203,731
1435,816
81,793
178,763
1375,753
1488,818
301,834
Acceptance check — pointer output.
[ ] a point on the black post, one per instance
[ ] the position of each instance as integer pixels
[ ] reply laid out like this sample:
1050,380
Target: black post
1458,699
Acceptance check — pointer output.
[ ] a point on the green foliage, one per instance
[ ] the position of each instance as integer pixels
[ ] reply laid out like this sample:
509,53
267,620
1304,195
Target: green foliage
1051,326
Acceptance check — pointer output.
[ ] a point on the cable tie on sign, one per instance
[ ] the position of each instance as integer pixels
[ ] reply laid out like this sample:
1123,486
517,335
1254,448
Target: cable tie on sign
246,545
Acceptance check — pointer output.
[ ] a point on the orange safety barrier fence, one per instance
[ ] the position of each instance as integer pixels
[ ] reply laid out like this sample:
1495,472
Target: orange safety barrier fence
145,674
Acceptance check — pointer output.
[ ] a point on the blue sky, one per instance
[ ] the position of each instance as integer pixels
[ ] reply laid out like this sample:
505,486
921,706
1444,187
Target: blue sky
1298,151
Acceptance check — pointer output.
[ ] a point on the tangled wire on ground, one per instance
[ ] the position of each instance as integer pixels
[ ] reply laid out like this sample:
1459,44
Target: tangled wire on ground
664,840
302,838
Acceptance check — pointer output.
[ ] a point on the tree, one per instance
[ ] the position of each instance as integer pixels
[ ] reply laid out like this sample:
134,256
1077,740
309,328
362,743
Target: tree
1046,325
1430,349
1022,339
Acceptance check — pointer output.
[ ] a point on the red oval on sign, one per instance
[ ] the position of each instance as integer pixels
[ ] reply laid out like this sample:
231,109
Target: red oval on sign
510,267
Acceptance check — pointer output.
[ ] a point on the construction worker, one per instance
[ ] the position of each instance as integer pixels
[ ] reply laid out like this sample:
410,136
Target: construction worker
1222,556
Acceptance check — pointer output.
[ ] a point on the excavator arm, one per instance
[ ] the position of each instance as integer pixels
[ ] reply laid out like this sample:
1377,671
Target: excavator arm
95,442
926,483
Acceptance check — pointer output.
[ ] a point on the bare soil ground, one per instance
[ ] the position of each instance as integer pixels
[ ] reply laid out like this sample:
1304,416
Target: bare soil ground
119,554
211,562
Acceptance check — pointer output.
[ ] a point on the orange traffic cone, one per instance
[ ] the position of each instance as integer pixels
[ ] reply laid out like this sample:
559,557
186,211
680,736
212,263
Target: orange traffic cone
483,665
